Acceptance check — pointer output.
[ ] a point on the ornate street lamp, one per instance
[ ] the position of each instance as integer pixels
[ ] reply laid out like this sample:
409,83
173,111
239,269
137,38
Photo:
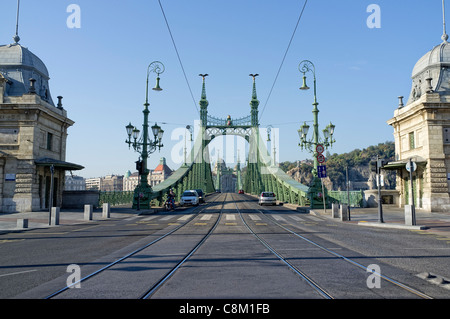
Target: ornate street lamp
144,145
316,142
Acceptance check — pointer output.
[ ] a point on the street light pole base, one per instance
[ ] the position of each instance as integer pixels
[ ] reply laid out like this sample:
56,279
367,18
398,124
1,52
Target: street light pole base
142,197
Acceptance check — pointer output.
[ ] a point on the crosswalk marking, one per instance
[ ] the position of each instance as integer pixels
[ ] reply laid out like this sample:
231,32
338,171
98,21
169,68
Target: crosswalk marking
230,217
167,217
254,217
149,218
296,218
206,217
185,217
317,219
278,218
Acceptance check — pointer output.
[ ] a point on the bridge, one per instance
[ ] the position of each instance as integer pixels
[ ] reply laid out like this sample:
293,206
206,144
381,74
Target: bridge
262,173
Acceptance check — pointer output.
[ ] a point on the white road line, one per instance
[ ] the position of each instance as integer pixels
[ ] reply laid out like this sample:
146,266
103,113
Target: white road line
18,273
149,218
185,217
167,217
277,217
230,217
254,217
296,218
206,217
315,218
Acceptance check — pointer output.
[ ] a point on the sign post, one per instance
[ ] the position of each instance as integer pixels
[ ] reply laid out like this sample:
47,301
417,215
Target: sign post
411,167
321,171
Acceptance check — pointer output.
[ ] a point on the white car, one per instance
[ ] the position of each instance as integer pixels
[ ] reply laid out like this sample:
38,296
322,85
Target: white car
189,197
268,198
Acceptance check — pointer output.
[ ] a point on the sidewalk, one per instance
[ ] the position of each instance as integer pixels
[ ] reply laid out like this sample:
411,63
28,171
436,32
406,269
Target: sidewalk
8,221
394,218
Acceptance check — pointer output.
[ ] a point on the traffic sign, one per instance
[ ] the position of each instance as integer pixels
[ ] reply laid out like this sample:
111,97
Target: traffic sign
320,158
408,166
321,171
320,148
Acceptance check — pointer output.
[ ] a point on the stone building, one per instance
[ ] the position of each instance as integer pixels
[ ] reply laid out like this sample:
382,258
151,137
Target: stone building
422,133
33,134
156,176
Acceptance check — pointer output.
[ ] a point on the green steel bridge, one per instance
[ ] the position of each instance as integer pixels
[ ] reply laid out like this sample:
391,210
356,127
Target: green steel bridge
261,175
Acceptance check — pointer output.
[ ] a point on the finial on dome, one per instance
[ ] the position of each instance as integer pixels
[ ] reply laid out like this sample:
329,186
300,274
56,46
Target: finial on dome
16,37
444,35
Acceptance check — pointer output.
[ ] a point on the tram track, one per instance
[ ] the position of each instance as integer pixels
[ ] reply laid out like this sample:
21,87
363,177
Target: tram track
155,286
296,270
334,254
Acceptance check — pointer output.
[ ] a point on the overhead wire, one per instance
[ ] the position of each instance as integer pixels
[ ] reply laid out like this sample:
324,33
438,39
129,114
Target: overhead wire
284,57
178,55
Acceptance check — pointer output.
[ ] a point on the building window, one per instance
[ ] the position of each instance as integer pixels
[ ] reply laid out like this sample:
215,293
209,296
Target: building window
412,144
49,141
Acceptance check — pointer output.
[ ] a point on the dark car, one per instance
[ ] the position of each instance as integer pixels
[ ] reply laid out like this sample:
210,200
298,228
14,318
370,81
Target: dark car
201,195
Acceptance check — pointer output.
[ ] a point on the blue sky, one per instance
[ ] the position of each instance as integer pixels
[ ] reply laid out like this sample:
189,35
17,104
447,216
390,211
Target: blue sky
100,68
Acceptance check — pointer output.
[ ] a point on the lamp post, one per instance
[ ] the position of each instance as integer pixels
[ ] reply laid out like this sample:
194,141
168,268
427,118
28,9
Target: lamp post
316,145
144,145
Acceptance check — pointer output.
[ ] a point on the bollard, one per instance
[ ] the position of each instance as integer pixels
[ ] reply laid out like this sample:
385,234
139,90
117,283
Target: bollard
88,212
106,210
54,216
344,212
334,210
409,215
22,223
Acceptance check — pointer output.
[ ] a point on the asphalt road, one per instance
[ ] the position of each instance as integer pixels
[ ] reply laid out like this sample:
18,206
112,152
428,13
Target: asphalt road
232,263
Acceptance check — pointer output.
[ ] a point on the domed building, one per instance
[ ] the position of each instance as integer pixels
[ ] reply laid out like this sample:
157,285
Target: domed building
422,133
33,133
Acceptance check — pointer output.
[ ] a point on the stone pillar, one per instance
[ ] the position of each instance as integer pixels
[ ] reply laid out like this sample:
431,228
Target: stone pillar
22,223
344,212
334,210
54,216
88,209
106,210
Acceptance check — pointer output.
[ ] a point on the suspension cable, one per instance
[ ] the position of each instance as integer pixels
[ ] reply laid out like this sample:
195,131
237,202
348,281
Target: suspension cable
284,57
178,55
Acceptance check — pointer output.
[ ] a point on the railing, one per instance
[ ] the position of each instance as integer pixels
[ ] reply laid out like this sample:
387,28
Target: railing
116,198
356,197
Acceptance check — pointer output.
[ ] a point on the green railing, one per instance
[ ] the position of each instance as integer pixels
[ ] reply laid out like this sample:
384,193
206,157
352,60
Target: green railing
116,198
356,197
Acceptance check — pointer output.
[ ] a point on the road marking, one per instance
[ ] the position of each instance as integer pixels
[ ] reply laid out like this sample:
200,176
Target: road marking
18,273
230,224
185,217
260,224
317,219
149,218
279,218
230,217
206,217
297,218
254,217
81,229
201,224
167,217
5,241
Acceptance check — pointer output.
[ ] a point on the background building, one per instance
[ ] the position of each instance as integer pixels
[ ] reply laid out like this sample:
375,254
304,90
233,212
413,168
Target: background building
422,133
74,183
33,134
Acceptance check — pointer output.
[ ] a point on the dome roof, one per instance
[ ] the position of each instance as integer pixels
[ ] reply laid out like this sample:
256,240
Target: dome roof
19,65
431,72
438,55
